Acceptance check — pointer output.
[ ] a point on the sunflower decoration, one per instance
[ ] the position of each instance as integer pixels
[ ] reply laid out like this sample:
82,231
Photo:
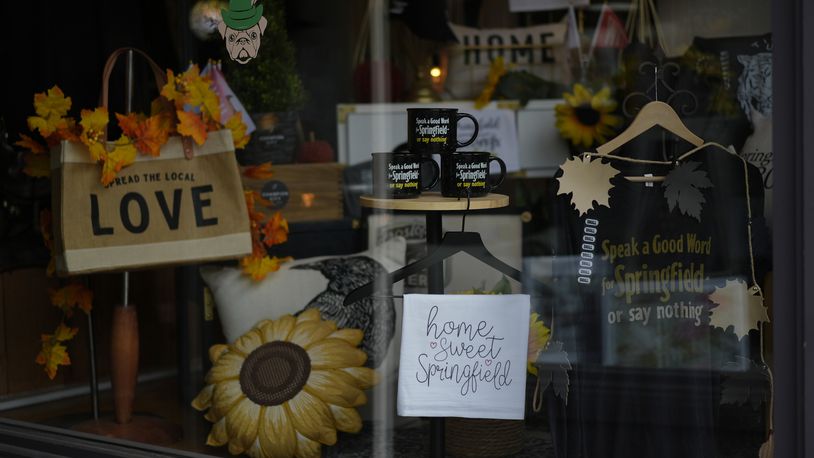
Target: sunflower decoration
286,387
539,335
586,118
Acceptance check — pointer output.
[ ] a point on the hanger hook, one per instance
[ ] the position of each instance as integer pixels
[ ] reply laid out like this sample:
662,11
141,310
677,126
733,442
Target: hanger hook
468,201
656,80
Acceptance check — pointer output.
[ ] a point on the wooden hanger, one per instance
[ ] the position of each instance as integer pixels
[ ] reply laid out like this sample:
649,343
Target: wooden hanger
653,114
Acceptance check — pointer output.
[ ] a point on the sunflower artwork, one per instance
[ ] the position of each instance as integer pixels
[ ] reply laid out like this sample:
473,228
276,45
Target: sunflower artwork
586,119
286,387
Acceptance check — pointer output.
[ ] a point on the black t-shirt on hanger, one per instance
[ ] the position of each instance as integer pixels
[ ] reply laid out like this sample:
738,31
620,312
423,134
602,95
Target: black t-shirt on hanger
633,310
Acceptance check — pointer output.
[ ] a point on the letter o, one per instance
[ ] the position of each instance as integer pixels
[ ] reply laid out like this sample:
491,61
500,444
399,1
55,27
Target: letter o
124,213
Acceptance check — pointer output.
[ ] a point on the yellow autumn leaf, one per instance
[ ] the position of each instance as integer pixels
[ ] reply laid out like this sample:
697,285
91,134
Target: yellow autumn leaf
238,128
200,95
94,129
52,355
52,103
258,267
31,144
123,154
97,151
63,333
191,125
46,126
169,91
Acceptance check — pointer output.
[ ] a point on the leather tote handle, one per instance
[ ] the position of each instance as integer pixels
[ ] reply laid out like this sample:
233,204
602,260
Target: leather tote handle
160,76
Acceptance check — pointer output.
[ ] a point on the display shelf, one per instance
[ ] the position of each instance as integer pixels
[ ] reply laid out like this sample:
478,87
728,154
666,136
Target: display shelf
435,202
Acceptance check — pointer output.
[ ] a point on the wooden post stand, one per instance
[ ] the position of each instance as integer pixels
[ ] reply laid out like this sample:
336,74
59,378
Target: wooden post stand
124,353
433,205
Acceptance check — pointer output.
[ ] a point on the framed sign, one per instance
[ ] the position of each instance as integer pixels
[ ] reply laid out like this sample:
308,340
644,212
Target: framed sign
538,50
464,356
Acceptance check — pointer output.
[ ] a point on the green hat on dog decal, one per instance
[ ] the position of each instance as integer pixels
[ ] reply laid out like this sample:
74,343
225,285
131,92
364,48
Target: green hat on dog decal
242,14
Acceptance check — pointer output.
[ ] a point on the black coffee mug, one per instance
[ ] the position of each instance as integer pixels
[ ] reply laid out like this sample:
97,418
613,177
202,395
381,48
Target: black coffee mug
398,175
435,130
467,172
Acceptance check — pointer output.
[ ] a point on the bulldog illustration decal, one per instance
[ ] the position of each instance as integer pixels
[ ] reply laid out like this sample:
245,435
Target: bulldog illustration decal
241,26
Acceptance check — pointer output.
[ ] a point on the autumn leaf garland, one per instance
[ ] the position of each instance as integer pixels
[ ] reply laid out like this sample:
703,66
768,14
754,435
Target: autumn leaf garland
265,232
188,106
67,298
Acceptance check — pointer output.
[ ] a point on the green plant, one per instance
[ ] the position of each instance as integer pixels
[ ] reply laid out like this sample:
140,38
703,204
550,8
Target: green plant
270,81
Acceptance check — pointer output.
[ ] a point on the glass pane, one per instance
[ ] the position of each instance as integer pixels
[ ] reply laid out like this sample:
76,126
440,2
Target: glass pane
584,192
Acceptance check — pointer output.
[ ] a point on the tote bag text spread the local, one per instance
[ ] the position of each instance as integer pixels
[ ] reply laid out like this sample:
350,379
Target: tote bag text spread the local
171,209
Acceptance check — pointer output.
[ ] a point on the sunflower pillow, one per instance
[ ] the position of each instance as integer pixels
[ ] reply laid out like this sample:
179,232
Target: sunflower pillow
285,387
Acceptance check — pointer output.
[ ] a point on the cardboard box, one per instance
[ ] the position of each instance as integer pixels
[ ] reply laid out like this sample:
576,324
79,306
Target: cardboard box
302,192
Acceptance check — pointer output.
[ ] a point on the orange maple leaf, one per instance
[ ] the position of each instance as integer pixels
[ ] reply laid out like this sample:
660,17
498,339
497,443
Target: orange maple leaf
258,172
258,267
37,165
252,199
67,130
129,123
190,124
275,231
70,296
149,134
31,144
165,110
152,135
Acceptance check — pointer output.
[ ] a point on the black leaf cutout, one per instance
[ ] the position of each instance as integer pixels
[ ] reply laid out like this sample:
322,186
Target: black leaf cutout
682,188
552,369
